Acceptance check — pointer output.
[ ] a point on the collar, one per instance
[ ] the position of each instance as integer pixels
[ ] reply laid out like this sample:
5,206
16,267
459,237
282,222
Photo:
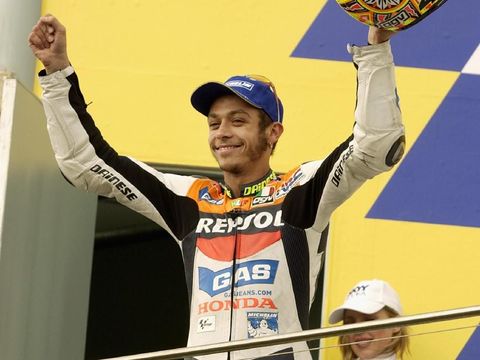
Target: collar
253,188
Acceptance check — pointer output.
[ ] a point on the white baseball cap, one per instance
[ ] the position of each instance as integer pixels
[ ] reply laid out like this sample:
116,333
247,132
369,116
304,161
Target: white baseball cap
368,297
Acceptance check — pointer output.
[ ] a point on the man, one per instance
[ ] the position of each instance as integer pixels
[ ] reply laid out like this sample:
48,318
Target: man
252,247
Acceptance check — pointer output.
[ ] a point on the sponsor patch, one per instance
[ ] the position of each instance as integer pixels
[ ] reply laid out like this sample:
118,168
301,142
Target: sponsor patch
288,185
242,303
240,83
236,203
204,195
267,191
258,187
221,225
262,200
115,180
265,197
262,324
338,173
206,324
358,291
247,273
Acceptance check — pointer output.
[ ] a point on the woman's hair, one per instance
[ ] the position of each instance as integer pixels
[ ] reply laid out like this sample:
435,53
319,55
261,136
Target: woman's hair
399,345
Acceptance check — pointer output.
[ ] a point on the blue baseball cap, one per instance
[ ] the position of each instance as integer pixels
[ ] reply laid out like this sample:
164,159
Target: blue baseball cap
256,90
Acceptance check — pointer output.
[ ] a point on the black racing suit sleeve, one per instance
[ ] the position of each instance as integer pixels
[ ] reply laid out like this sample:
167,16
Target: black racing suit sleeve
89,162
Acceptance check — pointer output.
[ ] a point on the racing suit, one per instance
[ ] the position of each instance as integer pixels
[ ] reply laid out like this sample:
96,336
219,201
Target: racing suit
251,262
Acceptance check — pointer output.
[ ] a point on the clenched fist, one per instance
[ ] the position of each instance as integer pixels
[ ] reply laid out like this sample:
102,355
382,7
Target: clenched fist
48,41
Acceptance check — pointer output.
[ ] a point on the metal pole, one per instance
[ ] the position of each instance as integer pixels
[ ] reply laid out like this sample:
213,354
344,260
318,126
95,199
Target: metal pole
307,335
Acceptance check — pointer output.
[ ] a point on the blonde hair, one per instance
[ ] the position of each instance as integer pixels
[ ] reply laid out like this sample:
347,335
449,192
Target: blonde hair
399,345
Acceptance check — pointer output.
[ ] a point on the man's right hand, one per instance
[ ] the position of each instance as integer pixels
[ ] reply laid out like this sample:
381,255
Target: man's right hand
48,41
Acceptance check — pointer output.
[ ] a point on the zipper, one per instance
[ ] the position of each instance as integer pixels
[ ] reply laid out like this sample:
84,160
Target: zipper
234,214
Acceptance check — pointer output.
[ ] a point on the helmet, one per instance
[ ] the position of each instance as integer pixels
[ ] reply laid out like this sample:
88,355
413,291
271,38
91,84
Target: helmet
390,14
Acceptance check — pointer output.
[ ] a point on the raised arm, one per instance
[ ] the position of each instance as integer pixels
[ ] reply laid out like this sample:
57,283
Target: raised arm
378,130
86,160
377,142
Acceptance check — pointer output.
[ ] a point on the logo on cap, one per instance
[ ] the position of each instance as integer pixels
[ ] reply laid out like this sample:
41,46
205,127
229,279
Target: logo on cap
358,290
240,83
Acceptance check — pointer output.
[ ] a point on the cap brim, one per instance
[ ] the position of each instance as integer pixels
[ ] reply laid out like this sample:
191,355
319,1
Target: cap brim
203,98
364,308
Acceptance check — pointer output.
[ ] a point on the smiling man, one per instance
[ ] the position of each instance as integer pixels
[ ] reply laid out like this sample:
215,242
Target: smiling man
242,134
252,246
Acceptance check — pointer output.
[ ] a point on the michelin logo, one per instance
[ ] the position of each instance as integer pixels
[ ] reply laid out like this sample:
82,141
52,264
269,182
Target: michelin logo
247,273
262,324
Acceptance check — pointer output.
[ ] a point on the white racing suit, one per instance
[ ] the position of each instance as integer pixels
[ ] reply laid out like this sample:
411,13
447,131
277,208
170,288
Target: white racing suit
252,262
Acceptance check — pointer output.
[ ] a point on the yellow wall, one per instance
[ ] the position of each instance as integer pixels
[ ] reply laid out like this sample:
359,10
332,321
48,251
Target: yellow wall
139,61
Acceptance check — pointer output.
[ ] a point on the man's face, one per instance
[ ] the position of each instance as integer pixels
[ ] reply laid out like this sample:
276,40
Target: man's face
236,140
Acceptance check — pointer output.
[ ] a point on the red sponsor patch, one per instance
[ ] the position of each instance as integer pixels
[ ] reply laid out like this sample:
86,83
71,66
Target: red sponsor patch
243,303
221,248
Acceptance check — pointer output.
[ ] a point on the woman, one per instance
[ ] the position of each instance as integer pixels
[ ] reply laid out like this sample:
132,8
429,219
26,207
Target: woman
371,300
